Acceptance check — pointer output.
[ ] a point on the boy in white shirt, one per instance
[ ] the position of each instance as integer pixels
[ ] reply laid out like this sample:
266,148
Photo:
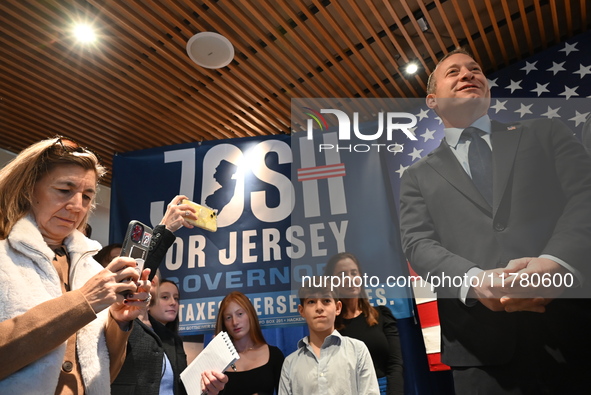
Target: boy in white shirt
325,362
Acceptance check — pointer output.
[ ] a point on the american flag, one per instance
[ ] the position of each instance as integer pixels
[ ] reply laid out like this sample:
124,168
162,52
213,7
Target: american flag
555,83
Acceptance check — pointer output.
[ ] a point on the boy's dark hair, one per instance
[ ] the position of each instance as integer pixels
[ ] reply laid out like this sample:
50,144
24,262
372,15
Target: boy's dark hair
316,286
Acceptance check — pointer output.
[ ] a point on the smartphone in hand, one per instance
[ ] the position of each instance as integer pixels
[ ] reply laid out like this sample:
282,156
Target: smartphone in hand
137,242
206,218
136,245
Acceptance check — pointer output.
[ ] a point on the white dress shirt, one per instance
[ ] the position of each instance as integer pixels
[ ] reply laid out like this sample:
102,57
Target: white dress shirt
343,368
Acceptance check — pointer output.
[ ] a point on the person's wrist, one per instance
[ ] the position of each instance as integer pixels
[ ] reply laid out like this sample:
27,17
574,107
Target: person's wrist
125,326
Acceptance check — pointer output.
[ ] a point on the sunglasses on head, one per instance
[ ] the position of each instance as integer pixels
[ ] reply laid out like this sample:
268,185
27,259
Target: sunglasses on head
71,146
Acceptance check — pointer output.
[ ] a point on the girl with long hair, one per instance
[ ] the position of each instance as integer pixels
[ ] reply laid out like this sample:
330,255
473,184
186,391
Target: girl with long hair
259,368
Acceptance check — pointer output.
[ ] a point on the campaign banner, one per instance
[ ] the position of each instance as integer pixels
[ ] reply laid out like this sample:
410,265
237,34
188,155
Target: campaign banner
274,227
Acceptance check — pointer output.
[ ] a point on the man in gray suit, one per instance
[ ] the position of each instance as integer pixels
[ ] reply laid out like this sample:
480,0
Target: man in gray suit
502,207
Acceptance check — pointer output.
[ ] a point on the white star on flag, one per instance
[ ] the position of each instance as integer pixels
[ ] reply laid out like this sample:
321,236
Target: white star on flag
499,105
416,153
579,118
524,110
540,88
552,113
428,135
556,67
529,67
569,92
583,70
568,48
424,113
514,85
401,170
492,83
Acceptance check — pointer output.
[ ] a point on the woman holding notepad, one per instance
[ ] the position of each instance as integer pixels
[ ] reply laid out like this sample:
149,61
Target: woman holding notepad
258,369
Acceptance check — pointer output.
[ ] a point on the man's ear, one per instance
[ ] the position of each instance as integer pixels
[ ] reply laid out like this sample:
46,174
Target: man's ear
431,101
301,310
339,306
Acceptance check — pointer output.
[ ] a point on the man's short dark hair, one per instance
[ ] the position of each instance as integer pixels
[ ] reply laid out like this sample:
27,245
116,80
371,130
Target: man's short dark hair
431,83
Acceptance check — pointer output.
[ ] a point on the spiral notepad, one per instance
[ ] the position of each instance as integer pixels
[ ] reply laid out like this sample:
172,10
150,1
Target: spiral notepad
218,355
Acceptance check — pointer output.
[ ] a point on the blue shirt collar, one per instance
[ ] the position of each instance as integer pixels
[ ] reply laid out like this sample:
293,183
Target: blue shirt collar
452,135
305,341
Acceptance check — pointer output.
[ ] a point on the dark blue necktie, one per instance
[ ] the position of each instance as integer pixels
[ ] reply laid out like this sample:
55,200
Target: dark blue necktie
480,161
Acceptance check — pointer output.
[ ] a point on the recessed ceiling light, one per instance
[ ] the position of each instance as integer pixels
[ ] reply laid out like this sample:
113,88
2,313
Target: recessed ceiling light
411,68
84,33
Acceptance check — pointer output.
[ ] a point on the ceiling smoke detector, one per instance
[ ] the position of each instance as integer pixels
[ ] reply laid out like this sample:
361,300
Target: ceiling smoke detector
210,50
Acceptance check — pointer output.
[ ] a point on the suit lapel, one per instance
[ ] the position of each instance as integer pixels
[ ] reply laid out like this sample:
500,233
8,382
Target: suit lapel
444,162
505,141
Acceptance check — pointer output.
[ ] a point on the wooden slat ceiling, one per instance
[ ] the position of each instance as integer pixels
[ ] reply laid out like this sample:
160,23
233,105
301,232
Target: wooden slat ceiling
137,88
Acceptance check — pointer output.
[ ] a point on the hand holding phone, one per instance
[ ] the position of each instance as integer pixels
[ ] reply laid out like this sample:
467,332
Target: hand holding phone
207,218
137,242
